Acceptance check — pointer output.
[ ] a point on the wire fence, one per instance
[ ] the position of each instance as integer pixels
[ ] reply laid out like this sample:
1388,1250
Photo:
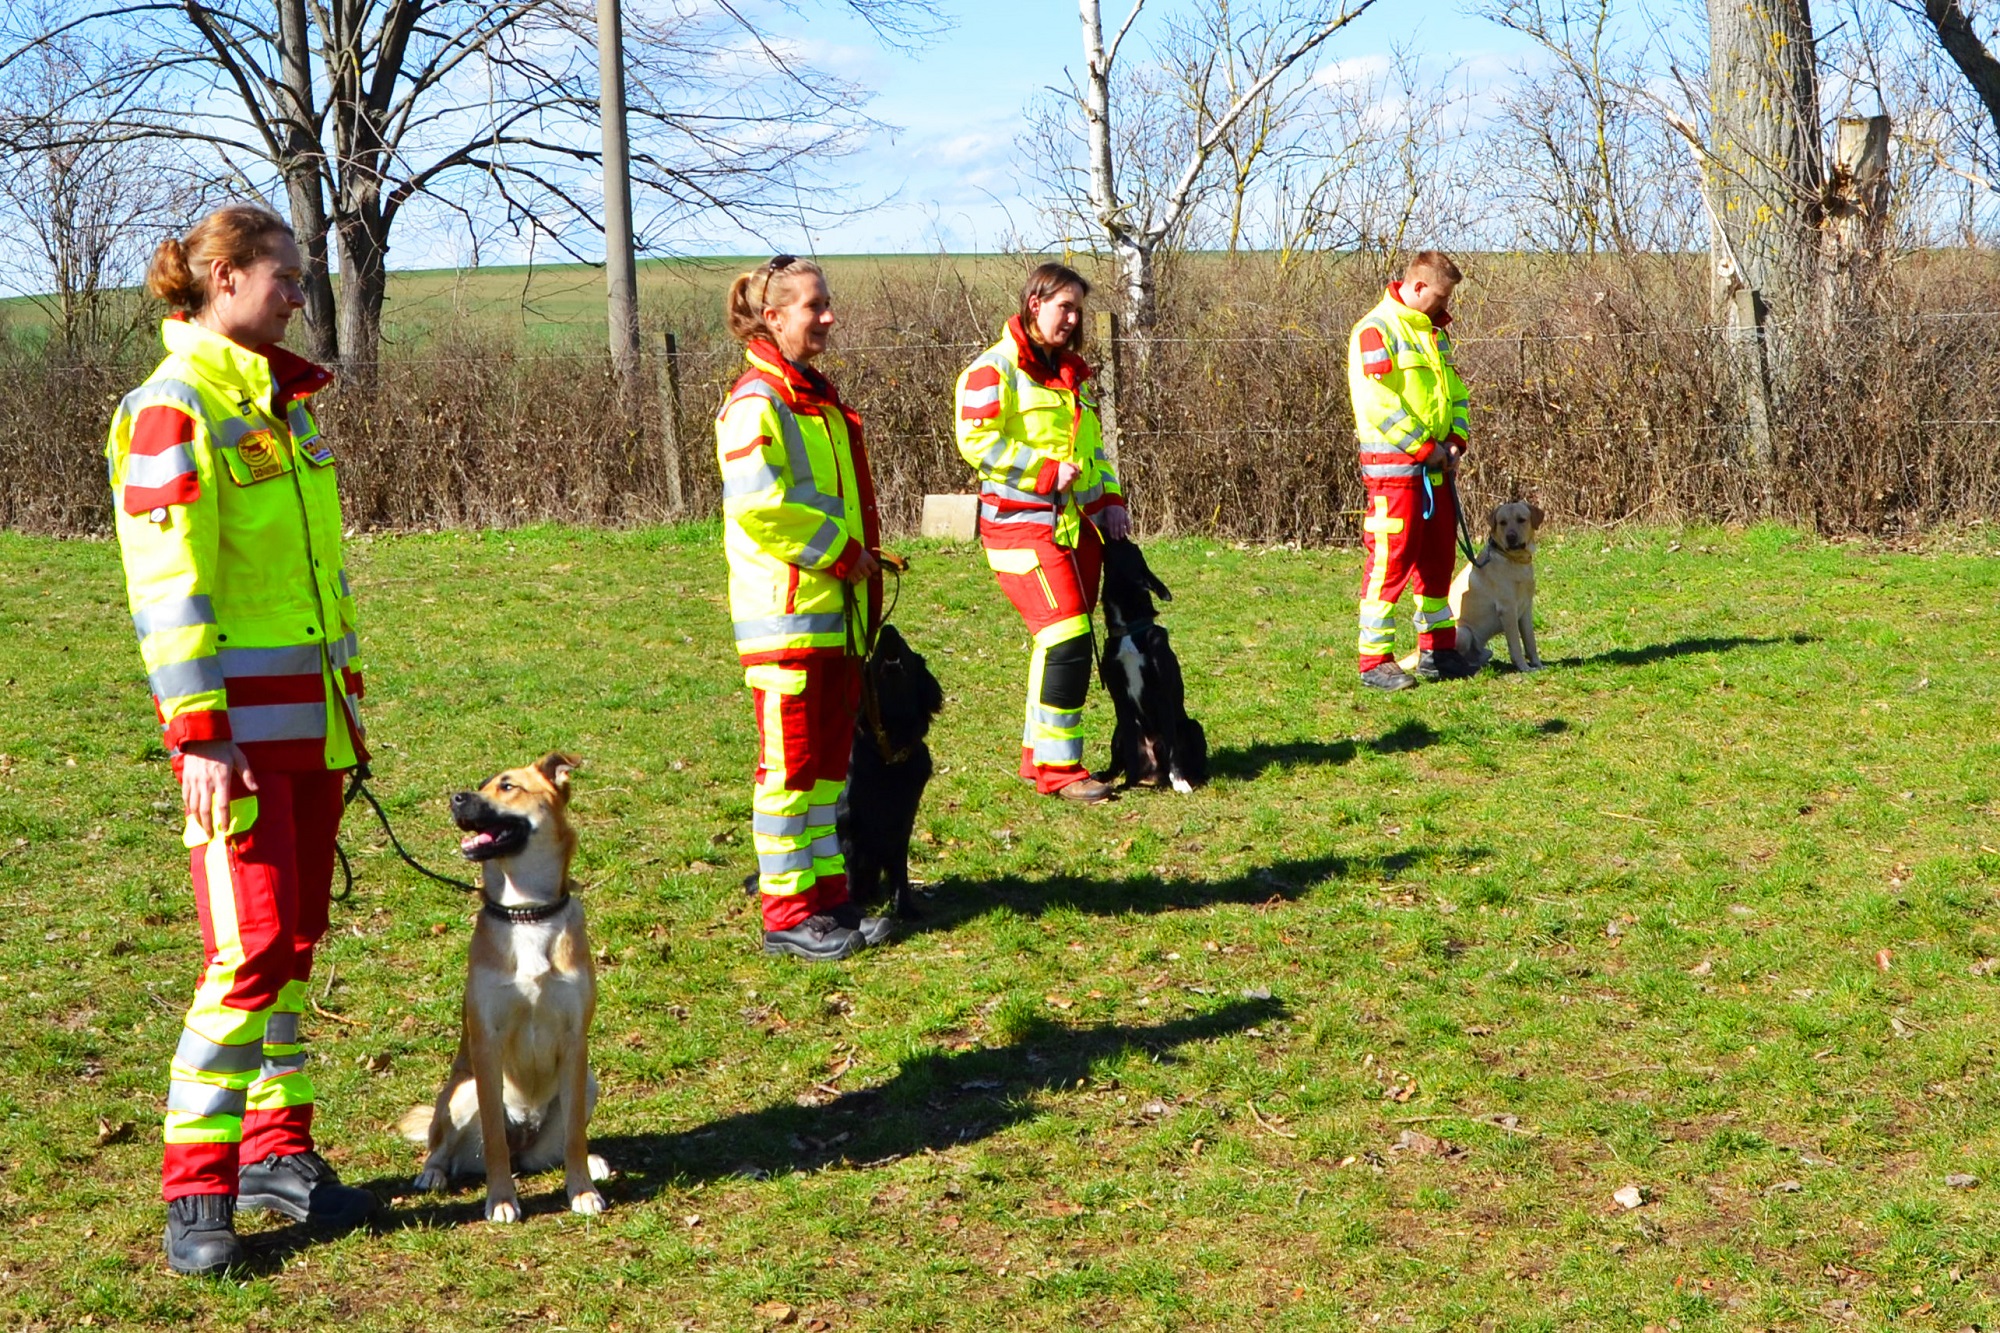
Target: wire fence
1232,417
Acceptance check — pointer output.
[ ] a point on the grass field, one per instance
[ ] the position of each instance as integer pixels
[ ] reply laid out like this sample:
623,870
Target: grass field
1705,909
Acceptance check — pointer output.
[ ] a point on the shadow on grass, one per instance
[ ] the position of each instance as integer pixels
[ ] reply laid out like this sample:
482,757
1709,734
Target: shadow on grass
933,1103
949,903
1660,652
1249,761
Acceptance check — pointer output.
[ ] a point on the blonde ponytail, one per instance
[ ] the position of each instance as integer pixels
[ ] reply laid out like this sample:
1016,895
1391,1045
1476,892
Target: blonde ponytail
239,233
764,288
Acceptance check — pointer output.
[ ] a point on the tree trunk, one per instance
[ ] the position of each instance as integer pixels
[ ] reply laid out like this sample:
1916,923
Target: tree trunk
1763,156
304,185
364,283
1857,217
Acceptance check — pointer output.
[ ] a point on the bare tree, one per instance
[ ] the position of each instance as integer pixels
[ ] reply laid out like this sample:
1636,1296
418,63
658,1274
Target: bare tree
1227,69
359,109
83,209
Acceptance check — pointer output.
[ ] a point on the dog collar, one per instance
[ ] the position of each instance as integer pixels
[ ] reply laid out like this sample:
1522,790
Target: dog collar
523,915
1131,629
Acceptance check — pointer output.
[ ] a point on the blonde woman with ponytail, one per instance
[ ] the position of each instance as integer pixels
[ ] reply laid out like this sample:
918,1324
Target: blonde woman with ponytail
800,530
228,519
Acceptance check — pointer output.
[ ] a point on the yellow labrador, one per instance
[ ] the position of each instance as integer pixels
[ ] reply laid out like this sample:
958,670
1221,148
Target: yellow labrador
1496,595
520,1090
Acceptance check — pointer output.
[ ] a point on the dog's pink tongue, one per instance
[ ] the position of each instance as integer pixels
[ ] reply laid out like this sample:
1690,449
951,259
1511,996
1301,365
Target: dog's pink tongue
475,842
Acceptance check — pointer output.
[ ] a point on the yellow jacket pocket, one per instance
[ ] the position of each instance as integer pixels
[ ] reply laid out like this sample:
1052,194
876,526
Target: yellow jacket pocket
242,814
775,679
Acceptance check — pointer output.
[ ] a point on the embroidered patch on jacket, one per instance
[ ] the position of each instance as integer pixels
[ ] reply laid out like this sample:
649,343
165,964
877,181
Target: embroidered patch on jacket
319,451
259,453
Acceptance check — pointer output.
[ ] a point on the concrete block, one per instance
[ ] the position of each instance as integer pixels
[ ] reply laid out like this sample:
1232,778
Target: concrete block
953,517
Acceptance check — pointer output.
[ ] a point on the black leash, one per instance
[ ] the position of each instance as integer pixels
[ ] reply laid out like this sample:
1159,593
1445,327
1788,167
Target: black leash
357,786
1464,532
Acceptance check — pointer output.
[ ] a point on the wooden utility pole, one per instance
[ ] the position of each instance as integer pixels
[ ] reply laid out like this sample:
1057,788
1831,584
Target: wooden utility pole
621,272
670,423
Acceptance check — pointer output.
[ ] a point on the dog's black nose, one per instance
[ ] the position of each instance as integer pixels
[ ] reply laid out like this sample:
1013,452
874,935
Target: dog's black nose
459,799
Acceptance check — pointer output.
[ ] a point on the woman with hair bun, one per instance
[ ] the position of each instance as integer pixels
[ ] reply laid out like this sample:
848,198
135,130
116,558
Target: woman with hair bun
228,519
801,534
1048,500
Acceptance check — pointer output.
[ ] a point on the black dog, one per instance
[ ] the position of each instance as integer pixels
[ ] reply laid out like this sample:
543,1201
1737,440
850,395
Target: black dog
1155,743
887,771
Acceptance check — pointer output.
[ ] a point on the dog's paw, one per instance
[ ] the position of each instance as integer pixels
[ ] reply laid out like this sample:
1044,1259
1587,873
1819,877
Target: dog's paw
589,1202
503,1210
599,1168
430,1180
1182,785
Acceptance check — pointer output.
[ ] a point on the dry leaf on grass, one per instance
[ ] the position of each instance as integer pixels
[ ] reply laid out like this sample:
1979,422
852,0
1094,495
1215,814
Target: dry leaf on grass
776,1312
1883,958
109,1133
1961,1181
1418,1144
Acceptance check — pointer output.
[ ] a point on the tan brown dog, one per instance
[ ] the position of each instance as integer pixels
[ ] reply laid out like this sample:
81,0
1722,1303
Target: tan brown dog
520,1091
1496,594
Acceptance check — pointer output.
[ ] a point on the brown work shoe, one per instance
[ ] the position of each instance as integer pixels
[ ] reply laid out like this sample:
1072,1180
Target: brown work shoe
1086,791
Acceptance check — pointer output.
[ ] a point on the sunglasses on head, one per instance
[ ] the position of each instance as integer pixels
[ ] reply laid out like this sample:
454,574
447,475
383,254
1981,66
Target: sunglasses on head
772,266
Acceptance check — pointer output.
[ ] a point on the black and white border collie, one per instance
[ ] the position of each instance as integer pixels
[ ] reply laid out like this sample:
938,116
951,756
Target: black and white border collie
1155,744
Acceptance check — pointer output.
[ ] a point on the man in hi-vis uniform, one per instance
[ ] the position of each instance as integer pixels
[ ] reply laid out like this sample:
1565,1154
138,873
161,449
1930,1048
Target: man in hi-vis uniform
1410,420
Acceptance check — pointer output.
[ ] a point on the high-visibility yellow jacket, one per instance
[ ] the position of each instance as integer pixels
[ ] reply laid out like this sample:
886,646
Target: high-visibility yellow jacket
798,509
1408,398
228,519
1018,417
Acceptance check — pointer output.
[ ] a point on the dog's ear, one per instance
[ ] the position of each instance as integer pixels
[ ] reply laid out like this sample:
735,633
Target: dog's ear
556,768
1493,517
1159,588
1535,515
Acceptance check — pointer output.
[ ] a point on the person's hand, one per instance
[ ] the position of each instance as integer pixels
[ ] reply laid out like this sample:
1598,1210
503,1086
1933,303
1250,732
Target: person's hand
865,568
1066,474
208,771
1116,522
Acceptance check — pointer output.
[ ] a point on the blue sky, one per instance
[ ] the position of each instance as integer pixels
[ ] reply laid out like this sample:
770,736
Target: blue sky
952,166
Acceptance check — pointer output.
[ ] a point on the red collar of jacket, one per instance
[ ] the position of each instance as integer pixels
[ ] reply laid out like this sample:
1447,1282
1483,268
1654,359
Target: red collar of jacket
805,389
293,375
1069,371
1442,321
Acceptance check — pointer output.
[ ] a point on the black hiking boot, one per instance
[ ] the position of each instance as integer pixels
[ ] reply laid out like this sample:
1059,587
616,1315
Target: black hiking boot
873,929
1445,664
1388,678
304,1188
201,1235
818,939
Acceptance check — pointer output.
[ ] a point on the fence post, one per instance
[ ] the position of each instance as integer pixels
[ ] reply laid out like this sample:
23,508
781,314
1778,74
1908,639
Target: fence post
1109,382
1750,361
670,423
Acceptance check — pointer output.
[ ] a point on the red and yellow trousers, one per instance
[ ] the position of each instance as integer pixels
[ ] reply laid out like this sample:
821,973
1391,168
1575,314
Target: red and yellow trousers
805,731
1055,590
239,1090
1402,546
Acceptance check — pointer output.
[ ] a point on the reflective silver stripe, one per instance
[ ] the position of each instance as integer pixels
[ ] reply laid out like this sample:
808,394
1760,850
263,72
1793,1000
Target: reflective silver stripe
158,393
780,863
830,537
198,1052
177,680
1396,342
788,427
812,497
278,722
778,826
1068,750
1392,469
985,397
749,483
1050,717
304,429
354,712
1010,493
177,614
282,1030
277,1066
1090,496
1460,426
301,660
997,454
771,627
147,471
343,650
1377,622
1027,517
826,846
822,816
205,1099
